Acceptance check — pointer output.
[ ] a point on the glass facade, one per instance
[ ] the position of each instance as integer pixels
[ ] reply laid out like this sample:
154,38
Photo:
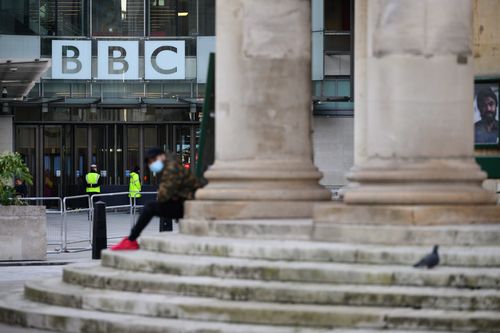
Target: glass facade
68,124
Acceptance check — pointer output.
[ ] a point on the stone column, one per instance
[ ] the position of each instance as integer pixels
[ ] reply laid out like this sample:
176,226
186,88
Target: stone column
416,118
263,164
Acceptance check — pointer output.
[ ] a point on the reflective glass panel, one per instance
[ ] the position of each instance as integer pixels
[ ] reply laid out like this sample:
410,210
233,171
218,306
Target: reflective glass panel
19,17
62,17
118,18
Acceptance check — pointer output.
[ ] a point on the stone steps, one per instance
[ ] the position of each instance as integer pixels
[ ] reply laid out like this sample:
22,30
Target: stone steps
444,235
294,250
357,233
98,277
16,310
300,229
55,292
312,272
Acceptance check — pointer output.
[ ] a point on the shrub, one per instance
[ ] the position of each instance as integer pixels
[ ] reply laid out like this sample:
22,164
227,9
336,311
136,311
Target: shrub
12,166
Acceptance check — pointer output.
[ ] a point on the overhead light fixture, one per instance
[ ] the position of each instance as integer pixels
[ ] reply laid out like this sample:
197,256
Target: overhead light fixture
183,14
13,69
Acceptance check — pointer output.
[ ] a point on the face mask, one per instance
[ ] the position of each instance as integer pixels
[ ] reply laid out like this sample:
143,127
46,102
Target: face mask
156,166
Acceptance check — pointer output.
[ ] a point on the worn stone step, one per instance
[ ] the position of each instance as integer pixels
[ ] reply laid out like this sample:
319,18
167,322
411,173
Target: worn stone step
96,276
16,310
444,235
55,292
313,272
300,229
294,250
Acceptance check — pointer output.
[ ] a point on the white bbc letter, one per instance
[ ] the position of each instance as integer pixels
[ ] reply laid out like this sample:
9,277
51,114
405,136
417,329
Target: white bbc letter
72,59
165,60
118,60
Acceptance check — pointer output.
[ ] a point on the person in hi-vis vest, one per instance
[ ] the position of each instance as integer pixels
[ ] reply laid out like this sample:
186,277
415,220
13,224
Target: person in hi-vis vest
93,179
134,186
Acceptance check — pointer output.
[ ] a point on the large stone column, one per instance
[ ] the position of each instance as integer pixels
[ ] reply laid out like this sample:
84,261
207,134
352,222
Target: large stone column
416,119
263,164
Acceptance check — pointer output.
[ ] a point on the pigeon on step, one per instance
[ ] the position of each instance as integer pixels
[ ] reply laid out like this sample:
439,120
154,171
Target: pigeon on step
431,260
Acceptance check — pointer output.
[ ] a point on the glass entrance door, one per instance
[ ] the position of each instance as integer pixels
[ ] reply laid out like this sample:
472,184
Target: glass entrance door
52,161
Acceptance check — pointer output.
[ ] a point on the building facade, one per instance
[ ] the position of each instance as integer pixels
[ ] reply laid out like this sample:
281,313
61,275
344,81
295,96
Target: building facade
65,123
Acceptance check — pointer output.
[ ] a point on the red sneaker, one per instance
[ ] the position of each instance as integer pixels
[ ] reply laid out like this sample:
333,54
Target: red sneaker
125,245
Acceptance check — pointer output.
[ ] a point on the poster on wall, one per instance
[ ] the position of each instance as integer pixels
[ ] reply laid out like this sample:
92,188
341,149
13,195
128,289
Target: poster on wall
486,127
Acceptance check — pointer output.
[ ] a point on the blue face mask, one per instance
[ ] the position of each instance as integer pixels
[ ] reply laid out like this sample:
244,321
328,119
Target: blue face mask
156,166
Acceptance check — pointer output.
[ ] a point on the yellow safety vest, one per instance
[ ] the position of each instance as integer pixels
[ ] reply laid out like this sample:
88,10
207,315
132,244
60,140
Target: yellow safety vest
92,178
135,185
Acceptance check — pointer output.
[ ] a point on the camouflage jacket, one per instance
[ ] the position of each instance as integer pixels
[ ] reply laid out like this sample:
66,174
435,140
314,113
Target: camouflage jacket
177,183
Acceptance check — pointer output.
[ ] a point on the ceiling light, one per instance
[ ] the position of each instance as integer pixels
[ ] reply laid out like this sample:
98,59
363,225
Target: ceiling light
182,14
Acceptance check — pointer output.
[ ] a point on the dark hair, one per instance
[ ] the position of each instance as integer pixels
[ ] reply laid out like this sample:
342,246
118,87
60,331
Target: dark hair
153,153
486,92
136,169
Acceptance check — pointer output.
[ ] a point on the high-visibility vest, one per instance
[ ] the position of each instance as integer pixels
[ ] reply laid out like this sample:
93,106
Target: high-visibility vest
92,178
134,186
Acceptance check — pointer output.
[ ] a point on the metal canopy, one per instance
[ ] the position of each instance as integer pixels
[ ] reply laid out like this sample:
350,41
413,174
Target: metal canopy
77,102
164,102
38,101
120,102
20,77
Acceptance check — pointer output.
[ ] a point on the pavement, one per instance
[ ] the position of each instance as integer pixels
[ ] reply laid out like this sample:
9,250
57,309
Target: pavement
13,275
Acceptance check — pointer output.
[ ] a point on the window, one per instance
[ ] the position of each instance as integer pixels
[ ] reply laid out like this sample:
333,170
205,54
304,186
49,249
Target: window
19,17
118,18
338,42
172,18
62,17
206,18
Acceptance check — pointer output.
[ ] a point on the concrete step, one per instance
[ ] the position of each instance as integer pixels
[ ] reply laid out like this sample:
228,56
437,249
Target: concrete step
16,310
281,229
293,250
444,235
312,272
98,277
55,292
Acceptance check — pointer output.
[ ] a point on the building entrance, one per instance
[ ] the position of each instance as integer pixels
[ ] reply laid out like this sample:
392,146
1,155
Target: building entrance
59,155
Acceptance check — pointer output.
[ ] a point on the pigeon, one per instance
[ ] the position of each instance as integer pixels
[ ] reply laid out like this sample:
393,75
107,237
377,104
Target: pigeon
431,260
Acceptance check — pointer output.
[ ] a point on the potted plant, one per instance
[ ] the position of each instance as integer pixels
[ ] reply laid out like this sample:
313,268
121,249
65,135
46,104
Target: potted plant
23,228
12,166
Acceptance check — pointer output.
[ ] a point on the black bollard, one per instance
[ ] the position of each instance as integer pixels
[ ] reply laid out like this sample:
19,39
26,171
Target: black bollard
99,235
166,224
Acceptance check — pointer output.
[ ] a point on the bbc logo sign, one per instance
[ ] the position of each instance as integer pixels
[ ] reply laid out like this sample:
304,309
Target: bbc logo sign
118,60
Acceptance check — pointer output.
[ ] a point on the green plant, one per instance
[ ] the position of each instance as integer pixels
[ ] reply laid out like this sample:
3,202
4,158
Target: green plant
12,166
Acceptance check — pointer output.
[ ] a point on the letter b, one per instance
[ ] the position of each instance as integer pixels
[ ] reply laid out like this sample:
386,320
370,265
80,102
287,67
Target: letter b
73,59
119,59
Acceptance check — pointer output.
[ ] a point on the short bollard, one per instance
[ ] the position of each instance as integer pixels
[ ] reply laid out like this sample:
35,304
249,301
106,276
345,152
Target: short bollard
99,235
166,224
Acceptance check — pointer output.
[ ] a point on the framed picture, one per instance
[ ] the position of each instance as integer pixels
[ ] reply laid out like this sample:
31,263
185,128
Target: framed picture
486,120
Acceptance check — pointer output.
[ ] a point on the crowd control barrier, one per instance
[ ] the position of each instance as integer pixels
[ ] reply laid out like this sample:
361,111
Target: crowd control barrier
73,236
68,233
55,228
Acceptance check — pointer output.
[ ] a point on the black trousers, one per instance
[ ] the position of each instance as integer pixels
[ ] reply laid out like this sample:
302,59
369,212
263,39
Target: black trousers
169,209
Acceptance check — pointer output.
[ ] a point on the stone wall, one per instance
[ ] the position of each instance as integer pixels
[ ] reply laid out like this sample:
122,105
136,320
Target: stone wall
486,37
333,142
23,233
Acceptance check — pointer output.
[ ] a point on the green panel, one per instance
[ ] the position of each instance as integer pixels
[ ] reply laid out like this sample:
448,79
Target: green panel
490,165
344,88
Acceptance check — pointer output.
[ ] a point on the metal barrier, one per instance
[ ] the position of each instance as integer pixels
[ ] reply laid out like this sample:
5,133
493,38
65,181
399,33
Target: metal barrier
61,234
55,229
128,206
85,210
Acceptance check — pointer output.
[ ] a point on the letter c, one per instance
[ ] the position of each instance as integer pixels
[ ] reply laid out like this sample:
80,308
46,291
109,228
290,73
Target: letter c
154,63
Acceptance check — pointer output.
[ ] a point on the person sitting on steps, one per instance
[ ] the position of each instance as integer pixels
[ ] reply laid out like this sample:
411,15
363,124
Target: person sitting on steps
177,185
